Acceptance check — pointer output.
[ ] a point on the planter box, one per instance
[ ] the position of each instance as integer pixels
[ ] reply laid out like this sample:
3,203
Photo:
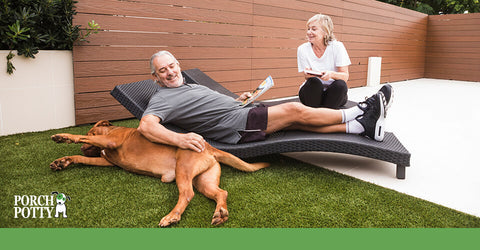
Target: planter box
39,94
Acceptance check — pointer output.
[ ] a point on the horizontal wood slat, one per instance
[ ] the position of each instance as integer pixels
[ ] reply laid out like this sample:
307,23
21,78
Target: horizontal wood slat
151,25
92,115
162,9
162,40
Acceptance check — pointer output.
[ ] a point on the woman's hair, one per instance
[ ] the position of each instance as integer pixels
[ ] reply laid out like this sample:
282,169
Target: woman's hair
160,53
326,25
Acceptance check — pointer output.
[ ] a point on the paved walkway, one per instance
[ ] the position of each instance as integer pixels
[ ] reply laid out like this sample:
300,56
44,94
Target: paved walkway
438,121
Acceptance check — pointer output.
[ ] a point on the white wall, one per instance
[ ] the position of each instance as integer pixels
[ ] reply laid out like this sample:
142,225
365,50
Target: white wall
39,94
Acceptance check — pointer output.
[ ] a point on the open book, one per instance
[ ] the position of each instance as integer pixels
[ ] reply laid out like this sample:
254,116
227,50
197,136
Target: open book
262,88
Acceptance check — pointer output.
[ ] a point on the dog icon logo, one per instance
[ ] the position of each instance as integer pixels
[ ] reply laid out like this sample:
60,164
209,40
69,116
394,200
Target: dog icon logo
61,208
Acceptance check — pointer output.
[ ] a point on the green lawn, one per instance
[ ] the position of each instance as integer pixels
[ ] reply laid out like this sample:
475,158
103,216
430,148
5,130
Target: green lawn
289,194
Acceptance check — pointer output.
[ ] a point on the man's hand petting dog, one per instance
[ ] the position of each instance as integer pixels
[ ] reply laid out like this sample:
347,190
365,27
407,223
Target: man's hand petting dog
191,141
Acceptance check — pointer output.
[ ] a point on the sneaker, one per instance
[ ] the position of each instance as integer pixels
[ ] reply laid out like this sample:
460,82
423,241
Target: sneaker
387,91
373,120
368,103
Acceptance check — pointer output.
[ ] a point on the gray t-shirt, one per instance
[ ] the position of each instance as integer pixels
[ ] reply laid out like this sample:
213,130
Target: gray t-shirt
198,109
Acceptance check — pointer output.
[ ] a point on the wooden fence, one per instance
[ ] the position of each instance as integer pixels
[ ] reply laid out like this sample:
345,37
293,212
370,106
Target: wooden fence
237,43
453,50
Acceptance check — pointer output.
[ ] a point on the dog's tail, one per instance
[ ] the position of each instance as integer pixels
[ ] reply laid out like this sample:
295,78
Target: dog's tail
231,160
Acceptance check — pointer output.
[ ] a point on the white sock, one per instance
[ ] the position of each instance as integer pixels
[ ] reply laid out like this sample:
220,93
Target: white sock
351,113
354,127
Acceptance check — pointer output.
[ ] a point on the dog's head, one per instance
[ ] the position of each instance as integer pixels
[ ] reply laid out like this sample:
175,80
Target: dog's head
100,128
61,198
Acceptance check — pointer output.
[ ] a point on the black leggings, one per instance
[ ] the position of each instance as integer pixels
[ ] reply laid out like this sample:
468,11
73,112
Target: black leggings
312,94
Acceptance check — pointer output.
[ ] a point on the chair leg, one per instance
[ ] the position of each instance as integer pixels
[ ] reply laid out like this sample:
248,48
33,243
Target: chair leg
401,172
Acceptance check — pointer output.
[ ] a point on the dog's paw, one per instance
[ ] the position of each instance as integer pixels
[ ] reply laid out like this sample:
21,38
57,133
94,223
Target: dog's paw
61,138
170,219
61,163
220,216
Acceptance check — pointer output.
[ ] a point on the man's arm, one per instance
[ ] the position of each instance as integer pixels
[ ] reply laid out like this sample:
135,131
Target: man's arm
151,128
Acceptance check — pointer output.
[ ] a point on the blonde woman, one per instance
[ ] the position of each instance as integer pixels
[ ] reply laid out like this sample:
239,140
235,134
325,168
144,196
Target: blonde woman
326,86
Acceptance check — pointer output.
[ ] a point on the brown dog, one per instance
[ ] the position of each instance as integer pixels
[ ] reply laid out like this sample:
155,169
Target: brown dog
128,149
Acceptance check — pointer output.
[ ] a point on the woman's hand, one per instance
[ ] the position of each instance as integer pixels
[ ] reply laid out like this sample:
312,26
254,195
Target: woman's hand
308,75
327,75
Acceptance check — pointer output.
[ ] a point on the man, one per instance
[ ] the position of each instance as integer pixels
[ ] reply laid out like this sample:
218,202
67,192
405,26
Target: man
213,115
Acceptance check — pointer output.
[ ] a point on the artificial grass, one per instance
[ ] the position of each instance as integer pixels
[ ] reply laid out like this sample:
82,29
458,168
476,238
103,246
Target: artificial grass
289,194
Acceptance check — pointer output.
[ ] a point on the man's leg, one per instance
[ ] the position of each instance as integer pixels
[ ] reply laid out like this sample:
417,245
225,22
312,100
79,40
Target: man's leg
295,115
323,120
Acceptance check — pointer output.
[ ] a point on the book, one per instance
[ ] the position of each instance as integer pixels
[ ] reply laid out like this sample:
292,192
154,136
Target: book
311,72
262,88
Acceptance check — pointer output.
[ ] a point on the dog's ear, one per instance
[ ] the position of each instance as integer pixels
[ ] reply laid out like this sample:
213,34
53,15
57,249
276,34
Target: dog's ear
55,192
103,123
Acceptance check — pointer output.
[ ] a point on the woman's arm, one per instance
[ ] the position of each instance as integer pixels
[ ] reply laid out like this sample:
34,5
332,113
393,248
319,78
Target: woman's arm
340,74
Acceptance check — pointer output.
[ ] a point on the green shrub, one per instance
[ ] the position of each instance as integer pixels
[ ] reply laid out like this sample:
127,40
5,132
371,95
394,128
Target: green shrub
28,26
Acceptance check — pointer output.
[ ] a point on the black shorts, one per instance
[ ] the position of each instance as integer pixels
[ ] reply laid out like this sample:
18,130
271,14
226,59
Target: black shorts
256,125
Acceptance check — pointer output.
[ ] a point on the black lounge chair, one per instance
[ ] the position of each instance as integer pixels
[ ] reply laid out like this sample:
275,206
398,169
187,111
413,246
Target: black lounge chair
135,97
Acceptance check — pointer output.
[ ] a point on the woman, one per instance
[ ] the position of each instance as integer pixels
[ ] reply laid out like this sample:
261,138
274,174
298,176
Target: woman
328,58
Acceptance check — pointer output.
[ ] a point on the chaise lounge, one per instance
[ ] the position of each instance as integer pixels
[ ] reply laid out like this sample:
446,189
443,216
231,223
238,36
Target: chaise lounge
135,97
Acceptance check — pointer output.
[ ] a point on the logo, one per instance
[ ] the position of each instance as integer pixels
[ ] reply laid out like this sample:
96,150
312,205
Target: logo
40,206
